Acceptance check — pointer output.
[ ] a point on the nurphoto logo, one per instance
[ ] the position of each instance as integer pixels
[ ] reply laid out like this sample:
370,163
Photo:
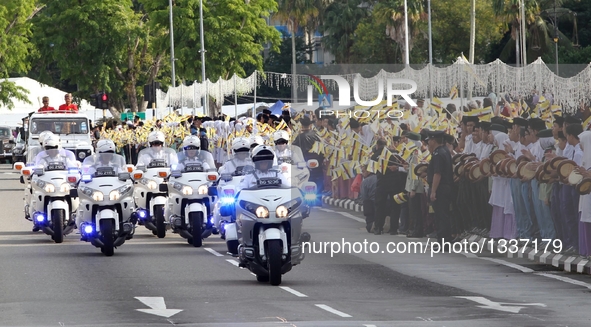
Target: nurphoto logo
345,91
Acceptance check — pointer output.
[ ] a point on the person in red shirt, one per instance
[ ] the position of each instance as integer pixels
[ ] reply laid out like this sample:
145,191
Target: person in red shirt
46,106
68,106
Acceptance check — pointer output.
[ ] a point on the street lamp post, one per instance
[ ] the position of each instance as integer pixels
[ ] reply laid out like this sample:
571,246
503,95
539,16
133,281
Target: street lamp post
205,102
430,52
406,54
171,44
556,36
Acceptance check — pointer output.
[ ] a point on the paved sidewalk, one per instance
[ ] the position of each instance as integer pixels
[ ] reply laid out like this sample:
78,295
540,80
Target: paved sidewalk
566,262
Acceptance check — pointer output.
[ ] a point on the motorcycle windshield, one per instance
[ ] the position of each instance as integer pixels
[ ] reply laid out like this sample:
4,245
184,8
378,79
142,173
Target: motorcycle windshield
191,157
291,154
157,157
55,159
92,164
236,163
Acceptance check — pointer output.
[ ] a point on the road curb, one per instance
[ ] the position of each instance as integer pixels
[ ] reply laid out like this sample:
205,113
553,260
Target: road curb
566,262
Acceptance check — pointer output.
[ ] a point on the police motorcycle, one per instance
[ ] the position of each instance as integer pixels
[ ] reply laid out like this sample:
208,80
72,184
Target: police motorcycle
188,207
231,173
269,215
292,163
104,216
53,177
150,183
18,166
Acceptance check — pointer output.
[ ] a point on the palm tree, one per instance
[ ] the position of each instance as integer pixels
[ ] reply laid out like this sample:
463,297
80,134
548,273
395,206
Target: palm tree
295,13
392,12
340,23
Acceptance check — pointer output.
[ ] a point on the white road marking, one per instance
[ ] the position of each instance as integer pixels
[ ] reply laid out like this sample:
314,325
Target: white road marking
234,262
370,325
292,291
346,214
334,311
158,307
509,264
500,306
565,279
214,252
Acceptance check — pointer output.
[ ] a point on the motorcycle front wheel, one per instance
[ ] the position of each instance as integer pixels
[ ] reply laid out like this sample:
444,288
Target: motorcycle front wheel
107,236
57,220
274,251
196,220
160,225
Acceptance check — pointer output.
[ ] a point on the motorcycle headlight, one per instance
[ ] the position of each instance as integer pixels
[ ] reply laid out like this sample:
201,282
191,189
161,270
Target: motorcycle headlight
203,189
281,212
97,196
187,190
262,212
114,195
49,188
152,185
65,188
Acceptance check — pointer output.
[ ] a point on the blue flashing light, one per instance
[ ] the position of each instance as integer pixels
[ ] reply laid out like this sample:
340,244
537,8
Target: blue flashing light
310,197
227,200
88,229
39,217
142,213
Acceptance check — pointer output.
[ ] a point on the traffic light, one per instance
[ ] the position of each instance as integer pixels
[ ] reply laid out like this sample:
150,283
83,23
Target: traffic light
102,101
95,100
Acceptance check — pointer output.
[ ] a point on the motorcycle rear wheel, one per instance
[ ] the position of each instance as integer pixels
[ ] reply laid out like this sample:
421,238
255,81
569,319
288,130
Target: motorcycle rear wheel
57,220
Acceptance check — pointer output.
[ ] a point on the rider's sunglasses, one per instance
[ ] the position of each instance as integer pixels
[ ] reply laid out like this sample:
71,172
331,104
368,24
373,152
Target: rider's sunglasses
156,143
280,142
191,147
110,151
50,147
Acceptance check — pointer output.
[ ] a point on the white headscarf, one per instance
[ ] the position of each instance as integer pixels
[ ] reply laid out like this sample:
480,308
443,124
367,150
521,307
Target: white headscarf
585,139
547,142
500,140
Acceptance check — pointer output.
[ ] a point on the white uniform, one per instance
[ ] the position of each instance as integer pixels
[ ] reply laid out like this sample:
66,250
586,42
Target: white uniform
147,155
65,156
230,166
203,157
90,164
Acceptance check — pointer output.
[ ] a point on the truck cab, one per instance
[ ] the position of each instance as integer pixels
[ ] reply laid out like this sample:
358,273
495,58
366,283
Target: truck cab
72,128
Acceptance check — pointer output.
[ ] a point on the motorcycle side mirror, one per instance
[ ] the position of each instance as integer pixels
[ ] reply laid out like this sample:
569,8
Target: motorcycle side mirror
129,168
39,171
226,177
176,173
124,176
18,166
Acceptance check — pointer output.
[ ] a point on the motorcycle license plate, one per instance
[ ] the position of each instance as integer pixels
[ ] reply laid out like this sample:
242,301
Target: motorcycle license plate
158,163
269,182
286,160
101,172
56,166
193,168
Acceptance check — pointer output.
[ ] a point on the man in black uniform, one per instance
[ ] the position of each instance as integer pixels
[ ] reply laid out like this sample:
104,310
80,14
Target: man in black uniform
440,179
306,141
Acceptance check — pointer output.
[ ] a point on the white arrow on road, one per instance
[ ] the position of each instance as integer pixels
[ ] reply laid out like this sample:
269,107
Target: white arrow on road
158,307
501,306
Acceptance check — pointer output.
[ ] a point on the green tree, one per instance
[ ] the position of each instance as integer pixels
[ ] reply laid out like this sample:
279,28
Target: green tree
340,21
372,46
15,23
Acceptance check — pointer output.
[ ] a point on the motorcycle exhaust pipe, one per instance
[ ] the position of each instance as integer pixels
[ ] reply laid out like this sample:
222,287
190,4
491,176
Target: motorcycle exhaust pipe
119,241
149,225
97,242
206,233
185,234
47,230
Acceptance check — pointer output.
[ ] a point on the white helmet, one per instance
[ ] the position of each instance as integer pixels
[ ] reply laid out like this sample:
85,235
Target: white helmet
240,144
262,153
43,135
191,141
156,136
281,135
256,140
104,146
52,141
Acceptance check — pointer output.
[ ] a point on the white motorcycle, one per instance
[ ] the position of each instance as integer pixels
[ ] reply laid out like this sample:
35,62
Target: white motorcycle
269,218
105,214
223,206
53,202
151,192
298,174
188,206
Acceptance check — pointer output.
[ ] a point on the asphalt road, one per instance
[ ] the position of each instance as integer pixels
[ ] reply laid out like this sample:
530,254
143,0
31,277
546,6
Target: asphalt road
73,284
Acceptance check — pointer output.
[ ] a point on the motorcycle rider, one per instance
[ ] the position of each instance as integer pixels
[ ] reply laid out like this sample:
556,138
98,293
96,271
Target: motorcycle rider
262,157
54,153
35,150
285,151
192,153
105,157
240,158
256,140
157,151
